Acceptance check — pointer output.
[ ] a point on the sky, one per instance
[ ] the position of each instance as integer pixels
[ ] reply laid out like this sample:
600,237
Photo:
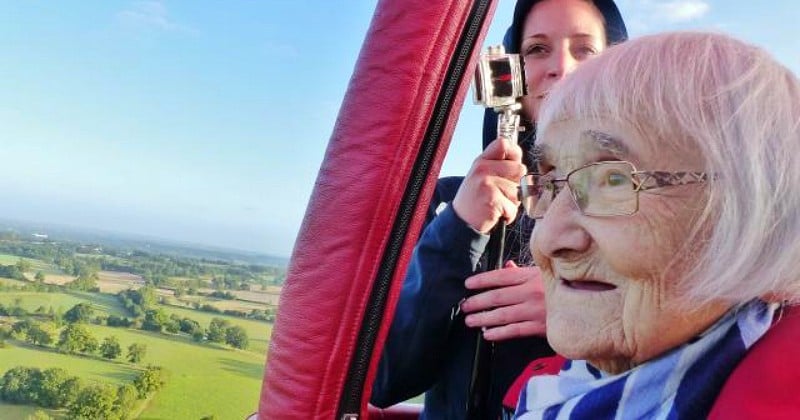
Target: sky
206,122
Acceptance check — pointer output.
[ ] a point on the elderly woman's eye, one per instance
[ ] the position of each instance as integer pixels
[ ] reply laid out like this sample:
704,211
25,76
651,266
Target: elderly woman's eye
616,179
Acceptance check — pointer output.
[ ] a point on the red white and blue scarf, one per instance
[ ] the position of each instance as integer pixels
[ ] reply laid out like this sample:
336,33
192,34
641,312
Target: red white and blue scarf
682,384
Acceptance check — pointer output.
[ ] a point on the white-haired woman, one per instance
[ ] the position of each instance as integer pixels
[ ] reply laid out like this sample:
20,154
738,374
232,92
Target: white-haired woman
668,199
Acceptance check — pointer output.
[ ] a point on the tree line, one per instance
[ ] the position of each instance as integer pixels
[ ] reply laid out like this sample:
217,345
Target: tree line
54,388
83,259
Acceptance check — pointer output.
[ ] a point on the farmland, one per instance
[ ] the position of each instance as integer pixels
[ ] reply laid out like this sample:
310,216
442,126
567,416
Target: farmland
203,377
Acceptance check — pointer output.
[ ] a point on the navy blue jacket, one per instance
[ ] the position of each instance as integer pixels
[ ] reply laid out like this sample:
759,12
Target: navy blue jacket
429,348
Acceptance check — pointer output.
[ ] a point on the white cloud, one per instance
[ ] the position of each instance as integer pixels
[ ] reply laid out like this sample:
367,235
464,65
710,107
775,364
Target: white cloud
150,14
682,10
648,16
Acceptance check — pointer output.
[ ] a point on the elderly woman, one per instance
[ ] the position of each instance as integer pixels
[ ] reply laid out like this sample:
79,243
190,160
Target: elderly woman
668,205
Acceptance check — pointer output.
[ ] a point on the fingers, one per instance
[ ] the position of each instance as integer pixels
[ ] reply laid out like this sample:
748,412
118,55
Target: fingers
514,307
488,194
489,191
509,286
528,311
515,330
509,276
502,149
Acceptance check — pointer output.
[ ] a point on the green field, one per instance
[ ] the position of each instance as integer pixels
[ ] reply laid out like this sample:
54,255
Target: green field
21,412
204,379
88,368
36,265
257,331
12,282
101,303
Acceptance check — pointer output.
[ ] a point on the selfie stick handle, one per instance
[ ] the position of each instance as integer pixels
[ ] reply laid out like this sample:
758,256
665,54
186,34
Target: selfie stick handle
481,380
499,84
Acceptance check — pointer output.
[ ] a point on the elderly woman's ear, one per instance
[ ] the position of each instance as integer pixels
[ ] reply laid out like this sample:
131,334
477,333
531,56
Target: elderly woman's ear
667,209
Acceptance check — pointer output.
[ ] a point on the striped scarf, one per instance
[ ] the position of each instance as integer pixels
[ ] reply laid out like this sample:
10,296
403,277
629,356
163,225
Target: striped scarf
682,384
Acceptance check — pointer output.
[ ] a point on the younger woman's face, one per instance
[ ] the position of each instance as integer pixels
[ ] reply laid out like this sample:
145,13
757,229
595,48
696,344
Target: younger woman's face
557,36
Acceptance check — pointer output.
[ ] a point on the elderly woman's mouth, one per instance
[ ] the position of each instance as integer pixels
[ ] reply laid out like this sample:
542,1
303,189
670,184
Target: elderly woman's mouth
587,285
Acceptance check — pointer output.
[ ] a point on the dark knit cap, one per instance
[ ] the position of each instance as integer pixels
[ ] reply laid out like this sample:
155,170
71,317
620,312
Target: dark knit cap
615,26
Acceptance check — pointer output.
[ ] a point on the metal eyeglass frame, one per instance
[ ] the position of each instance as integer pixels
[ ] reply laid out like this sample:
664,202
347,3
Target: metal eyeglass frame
642,181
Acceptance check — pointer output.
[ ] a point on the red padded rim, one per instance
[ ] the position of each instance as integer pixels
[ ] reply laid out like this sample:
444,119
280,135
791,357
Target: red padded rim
348,221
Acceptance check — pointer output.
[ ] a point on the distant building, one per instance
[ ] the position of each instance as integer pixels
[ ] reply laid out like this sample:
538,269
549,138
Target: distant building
39,235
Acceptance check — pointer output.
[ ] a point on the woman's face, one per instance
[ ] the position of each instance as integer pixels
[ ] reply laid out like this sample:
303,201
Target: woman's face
610,282
557,36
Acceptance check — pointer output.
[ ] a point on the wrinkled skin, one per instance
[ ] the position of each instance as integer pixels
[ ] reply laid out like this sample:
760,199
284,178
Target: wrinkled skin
611,283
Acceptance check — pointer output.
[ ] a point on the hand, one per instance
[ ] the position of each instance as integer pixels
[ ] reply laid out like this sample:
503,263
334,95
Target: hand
489,191
513,307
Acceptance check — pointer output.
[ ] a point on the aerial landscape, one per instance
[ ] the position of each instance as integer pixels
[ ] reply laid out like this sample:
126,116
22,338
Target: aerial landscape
125,328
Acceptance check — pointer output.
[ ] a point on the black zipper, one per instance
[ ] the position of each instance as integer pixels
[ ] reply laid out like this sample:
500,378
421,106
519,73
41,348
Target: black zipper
350,403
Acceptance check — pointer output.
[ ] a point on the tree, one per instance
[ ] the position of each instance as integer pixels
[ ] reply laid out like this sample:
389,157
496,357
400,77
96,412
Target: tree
20,328
236,336
189,326
37,336
116,321
17,385
198,335
216,330
39,277
110,349
95,402
76,338
57,389
81,312
147,297
39,415
58,317
150,380
155,320
85,281
11,272
69,391
24,265
126,398
136,352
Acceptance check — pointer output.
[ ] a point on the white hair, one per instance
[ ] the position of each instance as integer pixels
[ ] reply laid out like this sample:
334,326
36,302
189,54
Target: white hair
741,110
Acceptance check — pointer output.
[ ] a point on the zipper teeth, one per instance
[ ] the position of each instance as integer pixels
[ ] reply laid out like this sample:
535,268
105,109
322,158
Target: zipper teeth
354,384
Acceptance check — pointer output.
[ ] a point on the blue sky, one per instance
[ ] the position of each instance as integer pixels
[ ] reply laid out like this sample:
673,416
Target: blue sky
206,122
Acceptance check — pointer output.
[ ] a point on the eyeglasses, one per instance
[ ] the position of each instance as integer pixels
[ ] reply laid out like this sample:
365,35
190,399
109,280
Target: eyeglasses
609,188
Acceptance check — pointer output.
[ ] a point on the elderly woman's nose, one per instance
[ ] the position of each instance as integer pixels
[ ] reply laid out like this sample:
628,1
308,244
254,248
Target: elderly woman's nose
559,232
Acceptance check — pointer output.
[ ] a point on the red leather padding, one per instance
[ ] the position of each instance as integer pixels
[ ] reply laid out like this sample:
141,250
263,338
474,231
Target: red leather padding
347,225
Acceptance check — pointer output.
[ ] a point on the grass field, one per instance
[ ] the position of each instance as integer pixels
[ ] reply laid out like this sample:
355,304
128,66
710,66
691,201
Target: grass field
101,303
88,368
36,265
21,412
204,379
257,331
12,282
114,281
257,296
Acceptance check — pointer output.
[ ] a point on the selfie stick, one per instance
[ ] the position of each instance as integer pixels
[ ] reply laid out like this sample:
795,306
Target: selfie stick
499,83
